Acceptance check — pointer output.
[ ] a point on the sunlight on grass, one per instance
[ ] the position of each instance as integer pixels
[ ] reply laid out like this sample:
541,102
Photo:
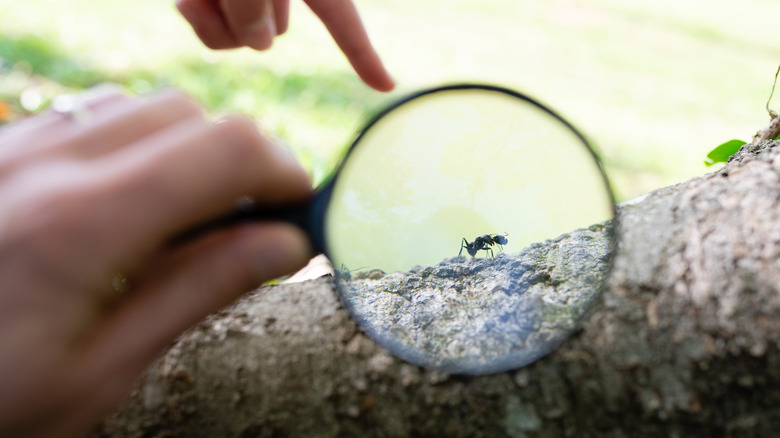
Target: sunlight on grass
655,85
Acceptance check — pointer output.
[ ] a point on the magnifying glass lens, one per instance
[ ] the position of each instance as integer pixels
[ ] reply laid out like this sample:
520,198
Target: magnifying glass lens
469,229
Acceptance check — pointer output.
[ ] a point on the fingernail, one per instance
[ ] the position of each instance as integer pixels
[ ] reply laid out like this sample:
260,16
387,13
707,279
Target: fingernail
260,35
390,84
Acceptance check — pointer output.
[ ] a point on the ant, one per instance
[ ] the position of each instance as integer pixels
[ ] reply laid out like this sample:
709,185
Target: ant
484,243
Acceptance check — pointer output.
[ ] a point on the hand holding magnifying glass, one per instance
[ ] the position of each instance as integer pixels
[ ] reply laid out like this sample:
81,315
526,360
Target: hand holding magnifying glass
436,168
97,189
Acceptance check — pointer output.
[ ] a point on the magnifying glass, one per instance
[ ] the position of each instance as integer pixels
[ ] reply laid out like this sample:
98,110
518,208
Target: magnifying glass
469,227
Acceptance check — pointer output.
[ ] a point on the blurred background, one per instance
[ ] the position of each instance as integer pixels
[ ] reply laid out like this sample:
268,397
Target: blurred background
654,85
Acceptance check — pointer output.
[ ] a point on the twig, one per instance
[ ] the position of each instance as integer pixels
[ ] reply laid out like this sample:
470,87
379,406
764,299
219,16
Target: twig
772,130
772,114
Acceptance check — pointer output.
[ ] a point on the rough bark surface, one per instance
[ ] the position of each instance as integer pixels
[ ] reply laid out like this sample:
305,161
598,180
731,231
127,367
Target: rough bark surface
480,316
770,132
684,343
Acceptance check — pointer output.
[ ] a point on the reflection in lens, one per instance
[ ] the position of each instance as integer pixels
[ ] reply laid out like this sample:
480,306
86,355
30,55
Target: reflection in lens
495,177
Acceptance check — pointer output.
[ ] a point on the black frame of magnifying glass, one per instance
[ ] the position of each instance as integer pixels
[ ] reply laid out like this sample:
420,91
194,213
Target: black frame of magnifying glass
311,216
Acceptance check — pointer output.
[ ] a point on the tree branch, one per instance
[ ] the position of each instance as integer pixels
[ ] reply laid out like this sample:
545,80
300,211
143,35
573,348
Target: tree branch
683,343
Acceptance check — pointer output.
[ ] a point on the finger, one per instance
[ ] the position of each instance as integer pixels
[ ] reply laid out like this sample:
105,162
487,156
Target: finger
187,285
99,102
282,15
118,123
342,21
128,123
253,23
209,23
187,175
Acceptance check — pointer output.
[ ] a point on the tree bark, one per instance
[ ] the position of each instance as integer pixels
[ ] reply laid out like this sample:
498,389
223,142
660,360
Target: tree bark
684,343
770,131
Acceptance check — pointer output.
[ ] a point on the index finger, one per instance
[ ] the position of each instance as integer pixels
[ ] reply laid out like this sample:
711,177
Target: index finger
343,22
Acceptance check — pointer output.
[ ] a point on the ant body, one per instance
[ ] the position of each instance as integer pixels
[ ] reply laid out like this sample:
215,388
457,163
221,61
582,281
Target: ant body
500,240
483,243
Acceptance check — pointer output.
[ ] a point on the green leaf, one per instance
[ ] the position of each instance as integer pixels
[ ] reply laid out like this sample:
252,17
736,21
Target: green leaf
722,153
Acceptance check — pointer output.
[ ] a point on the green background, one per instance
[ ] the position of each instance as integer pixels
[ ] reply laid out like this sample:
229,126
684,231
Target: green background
654,85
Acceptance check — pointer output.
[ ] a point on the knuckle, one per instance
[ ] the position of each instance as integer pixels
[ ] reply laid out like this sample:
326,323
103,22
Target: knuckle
179,102
240,139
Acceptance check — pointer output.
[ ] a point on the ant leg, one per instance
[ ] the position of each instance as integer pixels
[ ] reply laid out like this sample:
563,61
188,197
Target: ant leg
463,246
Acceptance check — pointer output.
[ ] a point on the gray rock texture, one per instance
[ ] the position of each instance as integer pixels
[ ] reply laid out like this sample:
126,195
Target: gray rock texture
684,343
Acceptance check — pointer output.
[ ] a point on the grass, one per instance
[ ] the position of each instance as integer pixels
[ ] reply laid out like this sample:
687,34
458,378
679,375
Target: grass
655,85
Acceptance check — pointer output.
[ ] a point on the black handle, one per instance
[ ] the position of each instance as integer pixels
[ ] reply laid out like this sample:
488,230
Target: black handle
308,216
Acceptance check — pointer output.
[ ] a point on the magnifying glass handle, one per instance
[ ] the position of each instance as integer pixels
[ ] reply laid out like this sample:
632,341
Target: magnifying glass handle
308,216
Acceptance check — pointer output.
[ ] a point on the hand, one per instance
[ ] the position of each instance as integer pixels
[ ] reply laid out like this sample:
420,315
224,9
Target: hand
83,200
228,24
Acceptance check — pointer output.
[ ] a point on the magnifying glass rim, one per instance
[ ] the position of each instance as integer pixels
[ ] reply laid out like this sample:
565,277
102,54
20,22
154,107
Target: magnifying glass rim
322,202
